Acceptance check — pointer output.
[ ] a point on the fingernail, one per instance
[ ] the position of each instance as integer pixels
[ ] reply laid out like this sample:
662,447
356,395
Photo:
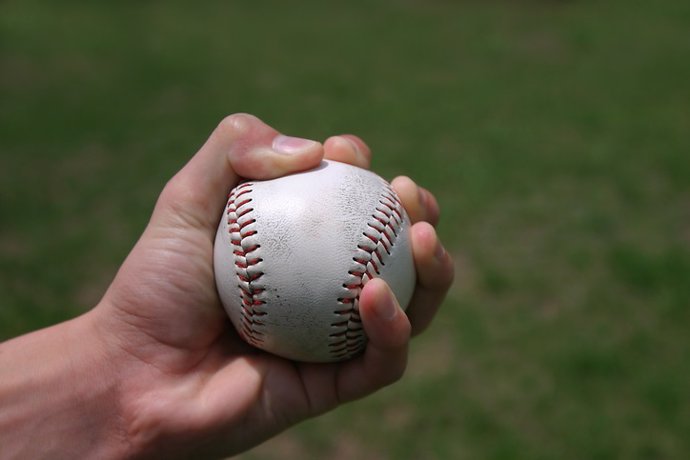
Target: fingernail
352,143
387,309
289,145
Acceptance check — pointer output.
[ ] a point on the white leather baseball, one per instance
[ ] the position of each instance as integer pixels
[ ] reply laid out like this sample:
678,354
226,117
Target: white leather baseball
292,254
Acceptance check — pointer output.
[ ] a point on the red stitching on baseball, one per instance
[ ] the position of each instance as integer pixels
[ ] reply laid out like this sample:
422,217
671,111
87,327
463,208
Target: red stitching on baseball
244,224
386,243
239,227
372,238
382,232
245,211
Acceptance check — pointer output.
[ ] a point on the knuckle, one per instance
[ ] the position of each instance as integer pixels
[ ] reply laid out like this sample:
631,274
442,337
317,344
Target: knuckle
170,190
173,191
235,125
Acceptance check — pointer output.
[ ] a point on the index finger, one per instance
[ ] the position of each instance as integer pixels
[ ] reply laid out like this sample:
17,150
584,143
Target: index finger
242,146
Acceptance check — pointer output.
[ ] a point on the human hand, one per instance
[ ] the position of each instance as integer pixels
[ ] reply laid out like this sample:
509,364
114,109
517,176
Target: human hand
186,383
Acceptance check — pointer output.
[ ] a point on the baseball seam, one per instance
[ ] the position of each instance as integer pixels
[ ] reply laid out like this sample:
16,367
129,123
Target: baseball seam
372,253
247,265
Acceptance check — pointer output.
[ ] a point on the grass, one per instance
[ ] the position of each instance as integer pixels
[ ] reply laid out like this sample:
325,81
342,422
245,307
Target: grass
555,135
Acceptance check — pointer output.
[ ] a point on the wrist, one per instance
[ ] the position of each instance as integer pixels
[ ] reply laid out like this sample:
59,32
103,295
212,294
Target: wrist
57,385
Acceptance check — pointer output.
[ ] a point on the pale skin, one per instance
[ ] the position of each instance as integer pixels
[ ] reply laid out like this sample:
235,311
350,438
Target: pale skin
155,370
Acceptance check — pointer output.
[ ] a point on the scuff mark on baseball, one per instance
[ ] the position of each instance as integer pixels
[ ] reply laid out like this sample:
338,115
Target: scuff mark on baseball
292,254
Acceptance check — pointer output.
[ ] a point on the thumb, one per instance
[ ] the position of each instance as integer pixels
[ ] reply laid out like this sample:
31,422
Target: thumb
242,146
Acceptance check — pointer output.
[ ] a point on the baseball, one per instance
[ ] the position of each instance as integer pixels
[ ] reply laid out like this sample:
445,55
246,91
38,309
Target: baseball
292,255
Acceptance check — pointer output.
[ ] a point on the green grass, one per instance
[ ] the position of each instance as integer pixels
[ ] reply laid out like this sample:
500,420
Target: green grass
554,133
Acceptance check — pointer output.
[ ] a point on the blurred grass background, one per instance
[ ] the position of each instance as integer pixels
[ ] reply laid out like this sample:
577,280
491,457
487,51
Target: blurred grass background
554,133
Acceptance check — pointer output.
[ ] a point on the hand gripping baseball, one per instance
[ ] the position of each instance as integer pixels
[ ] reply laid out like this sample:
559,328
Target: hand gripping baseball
186,383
